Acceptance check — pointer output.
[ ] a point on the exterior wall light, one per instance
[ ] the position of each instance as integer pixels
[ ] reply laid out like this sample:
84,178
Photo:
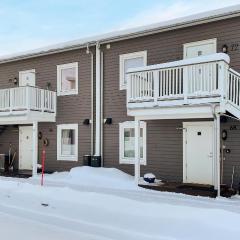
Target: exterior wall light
108,121
225,48
86,121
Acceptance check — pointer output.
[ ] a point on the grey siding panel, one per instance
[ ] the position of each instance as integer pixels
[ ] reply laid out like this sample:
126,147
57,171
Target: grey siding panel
70,109
10,136
164,142
233,158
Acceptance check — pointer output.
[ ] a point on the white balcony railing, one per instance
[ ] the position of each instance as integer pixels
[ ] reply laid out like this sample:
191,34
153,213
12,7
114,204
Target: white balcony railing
201,78
27,99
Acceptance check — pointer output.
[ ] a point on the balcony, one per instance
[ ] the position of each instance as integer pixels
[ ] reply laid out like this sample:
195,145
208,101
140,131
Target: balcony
26,105
185,85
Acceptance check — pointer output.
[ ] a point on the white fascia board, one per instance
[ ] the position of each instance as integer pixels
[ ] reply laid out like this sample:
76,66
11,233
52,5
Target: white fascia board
172,113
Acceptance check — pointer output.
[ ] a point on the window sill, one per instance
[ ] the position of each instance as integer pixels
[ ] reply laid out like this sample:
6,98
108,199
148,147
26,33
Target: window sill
68,158
67,93
132,161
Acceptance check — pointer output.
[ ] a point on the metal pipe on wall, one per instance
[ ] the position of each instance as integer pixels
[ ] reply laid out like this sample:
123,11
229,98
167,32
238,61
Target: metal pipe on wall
98,102
102,120
92,98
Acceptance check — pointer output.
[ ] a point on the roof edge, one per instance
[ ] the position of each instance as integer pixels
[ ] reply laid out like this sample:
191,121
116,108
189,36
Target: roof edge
192,20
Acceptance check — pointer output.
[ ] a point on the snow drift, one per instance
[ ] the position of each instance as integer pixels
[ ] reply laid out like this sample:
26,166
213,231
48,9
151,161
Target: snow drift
97,177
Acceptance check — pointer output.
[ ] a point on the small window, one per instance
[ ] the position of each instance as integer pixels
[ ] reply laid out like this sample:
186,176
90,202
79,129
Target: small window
67,142
131,60
67,79
127,143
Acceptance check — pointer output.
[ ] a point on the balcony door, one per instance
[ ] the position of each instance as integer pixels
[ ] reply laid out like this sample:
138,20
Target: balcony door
200,48
27,78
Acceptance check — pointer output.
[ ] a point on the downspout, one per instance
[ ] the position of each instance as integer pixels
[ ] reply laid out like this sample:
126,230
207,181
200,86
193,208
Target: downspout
92,99
216,117
102,104
98,102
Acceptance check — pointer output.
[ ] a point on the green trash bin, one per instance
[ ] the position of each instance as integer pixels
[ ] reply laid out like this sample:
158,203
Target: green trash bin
96,161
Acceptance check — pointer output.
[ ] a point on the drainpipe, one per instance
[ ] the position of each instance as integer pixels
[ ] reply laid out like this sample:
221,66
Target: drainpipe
98,102
92,99
102,104
217,148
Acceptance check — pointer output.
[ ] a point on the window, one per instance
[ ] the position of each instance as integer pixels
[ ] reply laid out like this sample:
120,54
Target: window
127,143
67,142
131,60
67,79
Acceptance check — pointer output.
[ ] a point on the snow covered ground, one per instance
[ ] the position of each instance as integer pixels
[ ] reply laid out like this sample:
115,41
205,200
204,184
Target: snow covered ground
89,203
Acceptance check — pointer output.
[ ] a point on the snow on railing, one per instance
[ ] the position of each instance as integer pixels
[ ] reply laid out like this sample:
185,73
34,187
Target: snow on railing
190,78
27,98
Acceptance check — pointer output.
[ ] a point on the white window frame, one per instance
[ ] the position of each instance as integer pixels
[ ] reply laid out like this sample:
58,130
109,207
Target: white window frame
24,72
131,124
61,157
127,56
61,67
203,42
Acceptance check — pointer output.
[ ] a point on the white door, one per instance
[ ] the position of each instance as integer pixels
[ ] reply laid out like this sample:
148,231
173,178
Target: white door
27,78
198,153
200,48
25,147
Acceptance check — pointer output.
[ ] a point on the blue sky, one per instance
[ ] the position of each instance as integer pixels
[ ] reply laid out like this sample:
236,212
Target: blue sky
30,24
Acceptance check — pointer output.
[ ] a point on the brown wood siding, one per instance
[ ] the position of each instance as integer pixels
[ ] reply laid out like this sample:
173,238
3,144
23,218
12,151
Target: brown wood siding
70,109
10,136
164,142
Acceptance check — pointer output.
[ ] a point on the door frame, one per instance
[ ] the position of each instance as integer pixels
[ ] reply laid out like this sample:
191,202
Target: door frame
202,123
20,148
203,42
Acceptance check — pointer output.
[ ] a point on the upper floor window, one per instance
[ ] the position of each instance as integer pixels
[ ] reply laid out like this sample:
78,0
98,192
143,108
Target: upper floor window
67,79
130,60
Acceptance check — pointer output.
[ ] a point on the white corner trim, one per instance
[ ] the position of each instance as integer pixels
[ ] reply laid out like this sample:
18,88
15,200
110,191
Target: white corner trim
60,157
127,56
130,124
59,69
199,43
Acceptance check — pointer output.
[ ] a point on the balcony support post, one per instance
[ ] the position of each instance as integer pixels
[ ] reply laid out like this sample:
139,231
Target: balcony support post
137,151
35,148
222,80
217,154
